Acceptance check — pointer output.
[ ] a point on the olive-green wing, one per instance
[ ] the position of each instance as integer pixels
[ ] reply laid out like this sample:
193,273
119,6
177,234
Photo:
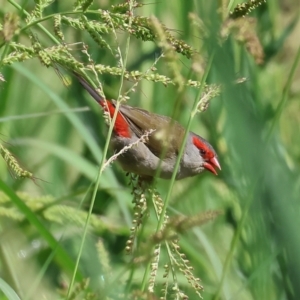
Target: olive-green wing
168,134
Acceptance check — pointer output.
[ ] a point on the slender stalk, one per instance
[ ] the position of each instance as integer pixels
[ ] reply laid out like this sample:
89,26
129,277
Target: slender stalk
101,168
166,203
192,115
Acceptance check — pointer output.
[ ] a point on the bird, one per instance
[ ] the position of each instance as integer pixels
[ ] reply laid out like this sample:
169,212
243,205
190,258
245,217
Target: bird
156,155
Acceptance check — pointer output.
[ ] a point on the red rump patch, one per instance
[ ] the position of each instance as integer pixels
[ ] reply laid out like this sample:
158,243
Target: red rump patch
203,147
121,127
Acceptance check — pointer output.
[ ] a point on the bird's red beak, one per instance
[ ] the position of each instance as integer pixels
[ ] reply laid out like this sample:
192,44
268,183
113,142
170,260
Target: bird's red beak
211,164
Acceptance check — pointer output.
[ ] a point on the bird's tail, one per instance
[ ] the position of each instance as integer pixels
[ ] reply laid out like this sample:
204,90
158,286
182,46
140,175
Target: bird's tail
92,91
121,126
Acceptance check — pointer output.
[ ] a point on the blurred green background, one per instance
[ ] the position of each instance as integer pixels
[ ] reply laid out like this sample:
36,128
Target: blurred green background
252,251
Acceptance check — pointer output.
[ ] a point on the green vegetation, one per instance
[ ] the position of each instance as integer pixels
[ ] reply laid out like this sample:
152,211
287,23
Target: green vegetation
73,225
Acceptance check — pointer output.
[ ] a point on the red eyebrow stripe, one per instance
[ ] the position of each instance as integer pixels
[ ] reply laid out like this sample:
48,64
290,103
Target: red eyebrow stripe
202,145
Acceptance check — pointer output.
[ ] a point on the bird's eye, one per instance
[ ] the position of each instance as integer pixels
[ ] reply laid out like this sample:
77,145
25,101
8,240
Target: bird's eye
202,152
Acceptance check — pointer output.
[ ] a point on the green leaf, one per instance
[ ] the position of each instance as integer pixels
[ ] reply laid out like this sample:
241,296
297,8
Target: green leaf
62,256
8,291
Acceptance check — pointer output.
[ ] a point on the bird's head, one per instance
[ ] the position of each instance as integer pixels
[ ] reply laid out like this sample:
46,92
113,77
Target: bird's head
207,153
